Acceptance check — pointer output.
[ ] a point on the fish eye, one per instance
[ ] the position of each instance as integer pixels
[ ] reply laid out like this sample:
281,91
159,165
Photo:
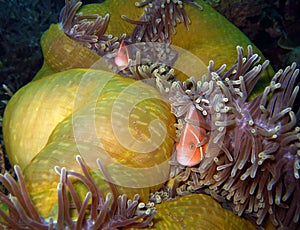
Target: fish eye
192,146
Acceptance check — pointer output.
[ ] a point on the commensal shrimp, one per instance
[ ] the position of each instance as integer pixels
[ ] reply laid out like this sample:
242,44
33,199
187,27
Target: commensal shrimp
190,149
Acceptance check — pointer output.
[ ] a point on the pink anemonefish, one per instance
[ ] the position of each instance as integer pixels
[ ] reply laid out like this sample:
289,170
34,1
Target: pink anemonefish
122,59
189,150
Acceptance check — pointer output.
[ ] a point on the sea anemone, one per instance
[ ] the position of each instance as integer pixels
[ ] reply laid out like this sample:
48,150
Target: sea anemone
94,212
253,157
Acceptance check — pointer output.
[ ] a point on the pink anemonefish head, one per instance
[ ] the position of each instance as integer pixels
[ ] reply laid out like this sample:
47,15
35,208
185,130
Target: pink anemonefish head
188,149
122,59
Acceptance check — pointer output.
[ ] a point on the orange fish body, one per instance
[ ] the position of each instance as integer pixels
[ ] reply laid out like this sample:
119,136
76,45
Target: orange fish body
122,58
189,149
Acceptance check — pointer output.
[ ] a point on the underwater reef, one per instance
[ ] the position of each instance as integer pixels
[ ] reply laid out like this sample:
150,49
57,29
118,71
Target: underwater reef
151,114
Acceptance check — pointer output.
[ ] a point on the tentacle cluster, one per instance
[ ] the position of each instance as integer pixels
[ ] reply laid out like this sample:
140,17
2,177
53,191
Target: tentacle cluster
254,146
88,30
159,20
94,212
154,70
